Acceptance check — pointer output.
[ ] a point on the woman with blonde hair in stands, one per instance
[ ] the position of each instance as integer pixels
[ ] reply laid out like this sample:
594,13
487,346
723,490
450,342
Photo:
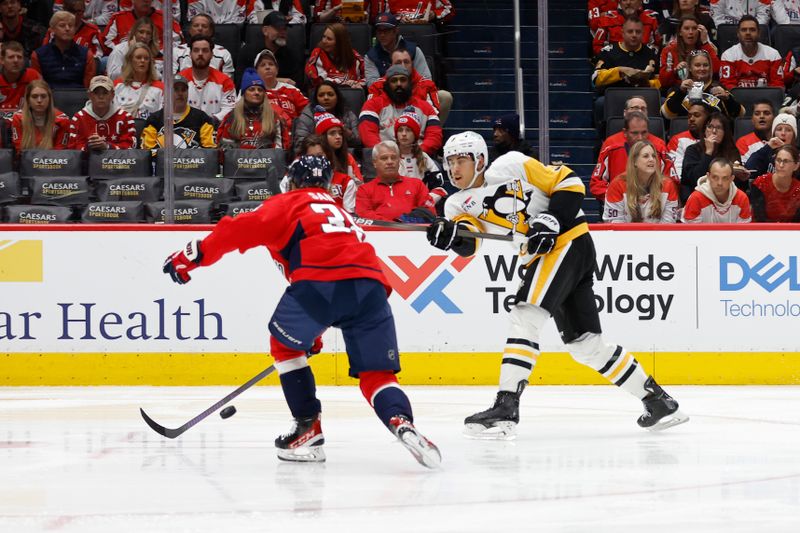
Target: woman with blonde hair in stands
335,60
143,31
253,123
139,90
39,124
642,194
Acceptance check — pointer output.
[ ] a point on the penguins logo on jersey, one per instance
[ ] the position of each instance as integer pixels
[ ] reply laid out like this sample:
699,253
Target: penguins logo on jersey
507,207
182,137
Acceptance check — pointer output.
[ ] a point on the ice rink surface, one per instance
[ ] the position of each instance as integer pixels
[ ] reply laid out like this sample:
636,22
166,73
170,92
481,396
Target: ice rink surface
82,460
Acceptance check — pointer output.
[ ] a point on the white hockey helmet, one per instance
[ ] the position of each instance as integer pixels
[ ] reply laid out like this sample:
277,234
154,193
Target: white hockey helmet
466,143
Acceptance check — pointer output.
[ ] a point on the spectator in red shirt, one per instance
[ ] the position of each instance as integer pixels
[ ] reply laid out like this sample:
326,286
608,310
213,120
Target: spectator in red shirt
716,199
334,59
14,78
15,27
763,117
775,197
121,22
608,26
390,196
750,63
286,95
101,125
39,124
675,55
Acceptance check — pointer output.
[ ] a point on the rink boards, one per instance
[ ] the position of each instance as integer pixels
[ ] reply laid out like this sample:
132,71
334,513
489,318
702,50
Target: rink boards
85,305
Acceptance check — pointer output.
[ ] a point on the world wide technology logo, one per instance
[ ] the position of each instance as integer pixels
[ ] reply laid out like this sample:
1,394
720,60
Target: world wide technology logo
415,277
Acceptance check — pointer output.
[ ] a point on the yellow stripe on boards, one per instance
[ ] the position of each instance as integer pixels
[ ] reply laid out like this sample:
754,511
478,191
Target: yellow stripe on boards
552,368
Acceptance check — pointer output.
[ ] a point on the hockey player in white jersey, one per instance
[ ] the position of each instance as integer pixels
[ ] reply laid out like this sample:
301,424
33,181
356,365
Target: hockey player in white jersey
541,207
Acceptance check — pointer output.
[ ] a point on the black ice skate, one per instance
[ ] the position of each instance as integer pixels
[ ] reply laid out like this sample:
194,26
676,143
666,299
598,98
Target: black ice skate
500,420
660,409
423,450
303,443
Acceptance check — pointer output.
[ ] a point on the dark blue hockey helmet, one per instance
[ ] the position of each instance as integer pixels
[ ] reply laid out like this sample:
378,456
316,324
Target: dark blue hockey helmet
311,171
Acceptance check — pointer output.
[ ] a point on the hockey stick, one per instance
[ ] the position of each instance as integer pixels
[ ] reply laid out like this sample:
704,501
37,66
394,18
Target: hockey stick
172,433
461,232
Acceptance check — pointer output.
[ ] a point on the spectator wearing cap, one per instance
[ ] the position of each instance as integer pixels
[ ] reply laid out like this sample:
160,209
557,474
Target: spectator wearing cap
101,125
203,24
292,12
14,26
192,128
328,96
121,22
379,113
209,89
412,12
784,131
347,175
391,195
288,98
290,58
379,58
62,63
335,60
506,136
423,88
252,124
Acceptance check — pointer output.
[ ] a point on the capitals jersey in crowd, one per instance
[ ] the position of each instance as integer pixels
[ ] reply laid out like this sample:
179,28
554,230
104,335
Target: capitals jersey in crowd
613,159
290,99
117,127
616,204
100,11
704,206
60,131
786,11
608,29
442,9
221,59
11,93
730,11
307,234
748,145
763,69
378,115
221,11
516,189
216,95
121,23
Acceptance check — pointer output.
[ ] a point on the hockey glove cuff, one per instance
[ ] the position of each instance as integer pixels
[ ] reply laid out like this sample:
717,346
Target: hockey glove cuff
179,264
543,232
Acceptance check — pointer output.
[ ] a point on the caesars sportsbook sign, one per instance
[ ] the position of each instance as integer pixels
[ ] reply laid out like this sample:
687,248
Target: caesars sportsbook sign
103,291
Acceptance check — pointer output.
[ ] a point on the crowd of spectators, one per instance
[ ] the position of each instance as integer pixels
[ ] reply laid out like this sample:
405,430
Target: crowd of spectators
269,95
727,110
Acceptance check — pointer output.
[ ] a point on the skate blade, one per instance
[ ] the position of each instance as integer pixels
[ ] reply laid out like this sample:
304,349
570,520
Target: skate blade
304,454
499,431
669,421
424,451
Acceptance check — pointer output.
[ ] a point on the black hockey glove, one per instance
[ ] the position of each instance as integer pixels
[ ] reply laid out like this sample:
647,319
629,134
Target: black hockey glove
441,233
543,232
433,180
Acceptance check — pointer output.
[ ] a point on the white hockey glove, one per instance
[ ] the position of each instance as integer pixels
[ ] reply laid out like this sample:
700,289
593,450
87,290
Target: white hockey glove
542,235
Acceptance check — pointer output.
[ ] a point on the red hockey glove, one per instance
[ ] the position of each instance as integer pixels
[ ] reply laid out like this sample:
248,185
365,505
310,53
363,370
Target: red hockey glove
179,264
316,347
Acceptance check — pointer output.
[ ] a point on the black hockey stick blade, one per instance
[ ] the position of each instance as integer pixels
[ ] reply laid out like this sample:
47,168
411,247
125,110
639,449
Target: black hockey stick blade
462,232
173,433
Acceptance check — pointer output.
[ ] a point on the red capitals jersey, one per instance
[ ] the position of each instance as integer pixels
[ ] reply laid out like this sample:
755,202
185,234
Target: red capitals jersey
121,23
290,99
60,131
608,30
87,35
422,88
11,93
252,138
118,129
307,234
762,70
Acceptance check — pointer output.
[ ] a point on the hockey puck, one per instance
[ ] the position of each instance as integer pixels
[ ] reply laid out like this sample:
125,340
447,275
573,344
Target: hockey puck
228,412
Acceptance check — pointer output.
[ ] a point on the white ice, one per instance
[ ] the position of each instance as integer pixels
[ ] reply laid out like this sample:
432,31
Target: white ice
82,460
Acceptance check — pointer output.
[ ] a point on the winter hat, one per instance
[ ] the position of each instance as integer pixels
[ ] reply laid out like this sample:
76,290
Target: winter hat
408,118
785,118
509,122
251,78
325,120
397,70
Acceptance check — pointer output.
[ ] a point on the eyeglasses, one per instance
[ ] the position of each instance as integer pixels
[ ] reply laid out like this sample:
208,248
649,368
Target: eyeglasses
779,161
712,127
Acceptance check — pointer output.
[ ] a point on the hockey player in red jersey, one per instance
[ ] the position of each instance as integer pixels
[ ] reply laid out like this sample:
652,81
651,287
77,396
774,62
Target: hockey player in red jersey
335,279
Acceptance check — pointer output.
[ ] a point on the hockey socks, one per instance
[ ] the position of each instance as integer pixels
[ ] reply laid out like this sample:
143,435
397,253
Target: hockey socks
519,358
381,390
624,371
300,391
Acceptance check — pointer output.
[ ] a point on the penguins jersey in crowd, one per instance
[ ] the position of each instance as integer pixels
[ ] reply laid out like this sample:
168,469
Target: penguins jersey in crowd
193,129
516,188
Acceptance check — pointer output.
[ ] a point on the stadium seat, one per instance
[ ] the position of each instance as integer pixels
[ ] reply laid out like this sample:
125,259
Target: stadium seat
367,167
50,163
296,37
747,96
615,97
424,35
786,36
726,36
353,98
360,36
120,163
434,71
229,36
70,101
678,125
742,127
37,214
654,124
191,162
267,163
113,212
